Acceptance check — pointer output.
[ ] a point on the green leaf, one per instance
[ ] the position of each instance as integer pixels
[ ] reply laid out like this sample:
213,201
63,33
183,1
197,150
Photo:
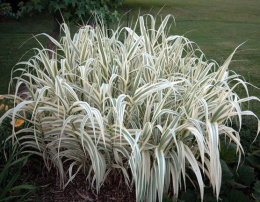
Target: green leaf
227,152
256,193
39,7
73,2
24,186
254,159
246,175
66,2
10,184
238,196
226,172
236,185
80,12
54,5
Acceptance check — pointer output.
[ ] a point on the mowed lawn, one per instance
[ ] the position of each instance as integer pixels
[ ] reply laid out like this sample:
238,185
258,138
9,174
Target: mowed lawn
216,26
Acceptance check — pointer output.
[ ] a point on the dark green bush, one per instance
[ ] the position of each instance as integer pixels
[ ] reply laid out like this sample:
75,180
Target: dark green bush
6,12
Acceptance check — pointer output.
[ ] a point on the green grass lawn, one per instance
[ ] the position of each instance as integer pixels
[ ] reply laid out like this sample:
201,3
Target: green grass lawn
15,42
217,26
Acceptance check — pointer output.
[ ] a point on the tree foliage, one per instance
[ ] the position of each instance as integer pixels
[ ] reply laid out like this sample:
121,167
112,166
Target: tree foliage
75,10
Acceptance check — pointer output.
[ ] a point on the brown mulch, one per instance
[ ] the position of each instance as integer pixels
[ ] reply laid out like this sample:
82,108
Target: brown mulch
79,189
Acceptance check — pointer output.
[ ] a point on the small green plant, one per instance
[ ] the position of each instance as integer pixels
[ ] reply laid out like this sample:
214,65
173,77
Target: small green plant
13,181
140,101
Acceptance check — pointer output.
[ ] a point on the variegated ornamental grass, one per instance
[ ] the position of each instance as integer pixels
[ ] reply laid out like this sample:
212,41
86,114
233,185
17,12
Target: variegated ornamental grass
150,104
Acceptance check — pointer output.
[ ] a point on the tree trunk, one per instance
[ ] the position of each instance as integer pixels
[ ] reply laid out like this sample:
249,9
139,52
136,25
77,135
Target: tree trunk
55,33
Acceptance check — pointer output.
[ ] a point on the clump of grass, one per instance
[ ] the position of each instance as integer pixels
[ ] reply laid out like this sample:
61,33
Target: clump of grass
149,103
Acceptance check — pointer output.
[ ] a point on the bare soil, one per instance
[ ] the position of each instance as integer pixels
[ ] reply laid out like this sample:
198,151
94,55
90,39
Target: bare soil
114,189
